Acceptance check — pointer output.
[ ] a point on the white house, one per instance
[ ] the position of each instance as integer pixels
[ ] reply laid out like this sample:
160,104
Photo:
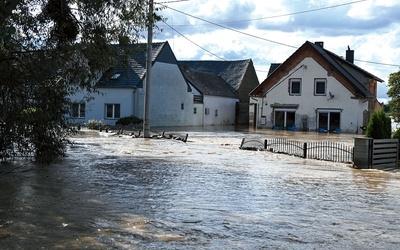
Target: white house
315,90
177,98
121,91
215,100
239,74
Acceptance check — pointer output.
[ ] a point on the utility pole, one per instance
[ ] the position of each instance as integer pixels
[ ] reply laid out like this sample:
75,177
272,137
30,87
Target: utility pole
146,120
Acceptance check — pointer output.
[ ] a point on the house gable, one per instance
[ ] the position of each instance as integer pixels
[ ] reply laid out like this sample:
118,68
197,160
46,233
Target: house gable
165,55
324,58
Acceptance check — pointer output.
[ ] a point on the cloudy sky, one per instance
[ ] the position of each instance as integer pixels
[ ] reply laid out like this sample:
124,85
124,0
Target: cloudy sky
270,31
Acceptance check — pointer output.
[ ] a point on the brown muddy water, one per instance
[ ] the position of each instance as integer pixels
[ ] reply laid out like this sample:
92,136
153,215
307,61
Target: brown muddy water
122,193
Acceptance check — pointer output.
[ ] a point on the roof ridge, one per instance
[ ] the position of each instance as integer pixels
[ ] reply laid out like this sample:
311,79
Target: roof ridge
241,60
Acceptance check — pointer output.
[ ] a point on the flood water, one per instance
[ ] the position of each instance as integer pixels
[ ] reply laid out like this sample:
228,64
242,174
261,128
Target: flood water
122,193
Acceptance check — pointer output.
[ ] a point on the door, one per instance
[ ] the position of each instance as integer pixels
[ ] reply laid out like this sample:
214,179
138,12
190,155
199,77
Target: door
329,120
284,118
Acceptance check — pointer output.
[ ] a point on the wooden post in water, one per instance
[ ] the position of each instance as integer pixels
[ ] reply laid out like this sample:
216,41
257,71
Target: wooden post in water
241,144
186,138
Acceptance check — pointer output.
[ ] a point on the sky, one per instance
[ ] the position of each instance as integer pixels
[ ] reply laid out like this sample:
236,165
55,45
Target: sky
270,31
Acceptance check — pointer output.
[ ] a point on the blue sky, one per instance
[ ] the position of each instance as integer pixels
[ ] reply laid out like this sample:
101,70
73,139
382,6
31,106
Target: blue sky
270,31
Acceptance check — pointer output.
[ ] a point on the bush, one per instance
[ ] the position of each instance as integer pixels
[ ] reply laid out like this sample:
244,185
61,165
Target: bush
129,120
379,126
94,124
396,134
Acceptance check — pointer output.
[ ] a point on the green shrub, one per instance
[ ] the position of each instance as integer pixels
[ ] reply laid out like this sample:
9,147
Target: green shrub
396,134
379,126
128,120
94,124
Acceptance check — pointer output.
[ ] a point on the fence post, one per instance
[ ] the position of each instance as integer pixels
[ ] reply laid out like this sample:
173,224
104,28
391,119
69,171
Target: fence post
265,144
305,150
241,144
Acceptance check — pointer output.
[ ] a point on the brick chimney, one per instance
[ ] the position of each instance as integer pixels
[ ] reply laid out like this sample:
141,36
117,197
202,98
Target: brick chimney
349,55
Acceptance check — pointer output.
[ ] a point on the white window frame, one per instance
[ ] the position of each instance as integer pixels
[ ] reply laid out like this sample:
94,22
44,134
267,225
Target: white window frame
291,81
114,106
328,111
285,111
80,111
316,81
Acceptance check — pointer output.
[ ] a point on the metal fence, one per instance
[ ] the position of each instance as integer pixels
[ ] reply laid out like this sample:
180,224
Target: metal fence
320,150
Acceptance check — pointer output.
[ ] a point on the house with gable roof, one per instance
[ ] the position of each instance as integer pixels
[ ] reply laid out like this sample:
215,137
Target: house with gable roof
214,99
180,95
315,90
239,74
121,92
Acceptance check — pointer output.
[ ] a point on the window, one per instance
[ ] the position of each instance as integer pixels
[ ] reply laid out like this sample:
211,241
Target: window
295,86
207,111
216,112
197,99
182,106
113,111
284,118
78,110
328,120
194,110
115,76
320,87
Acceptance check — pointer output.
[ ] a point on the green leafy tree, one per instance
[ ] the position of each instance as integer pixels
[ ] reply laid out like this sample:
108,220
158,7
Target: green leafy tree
379,126
394,94
49,49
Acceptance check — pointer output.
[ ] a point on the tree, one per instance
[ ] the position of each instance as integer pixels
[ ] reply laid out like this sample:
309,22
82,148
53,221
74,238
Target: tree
394,94
379,126
49,49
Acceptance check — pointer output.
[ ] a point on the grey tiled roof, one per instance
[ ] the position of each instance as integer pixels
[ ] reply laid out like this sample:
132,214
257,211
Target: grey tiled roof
130,64
339,63
273,67
231,71
209,84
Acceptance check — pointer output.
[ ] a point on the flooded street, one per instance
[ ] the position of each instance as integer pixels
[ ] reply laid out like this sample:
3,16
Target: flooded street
122,193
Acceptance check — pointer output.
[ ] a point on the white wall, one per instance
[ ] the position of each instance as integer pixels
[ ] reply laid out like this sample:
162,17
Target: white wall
226,110
168,92
95,109
351,116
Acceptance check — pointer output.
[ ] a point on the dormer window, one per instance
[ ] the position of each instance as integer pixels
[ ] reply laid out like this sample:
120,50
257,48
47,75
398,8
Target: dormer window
115,76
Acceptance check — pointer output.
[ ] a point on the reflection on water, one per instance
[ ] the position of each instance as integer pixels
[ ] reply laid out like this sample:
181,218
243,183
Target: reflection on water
124,193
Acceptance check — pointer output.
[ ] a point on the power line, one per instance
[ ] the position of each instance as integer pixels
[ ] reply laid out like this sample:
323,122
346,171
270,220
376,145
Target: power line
261,38
176,1
385,64
228,28
194,42
284,15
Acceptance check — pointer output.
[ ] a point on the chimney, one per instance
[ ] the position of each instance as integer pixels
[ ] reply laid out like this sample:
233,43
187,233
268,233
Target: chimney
320,44
349,55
